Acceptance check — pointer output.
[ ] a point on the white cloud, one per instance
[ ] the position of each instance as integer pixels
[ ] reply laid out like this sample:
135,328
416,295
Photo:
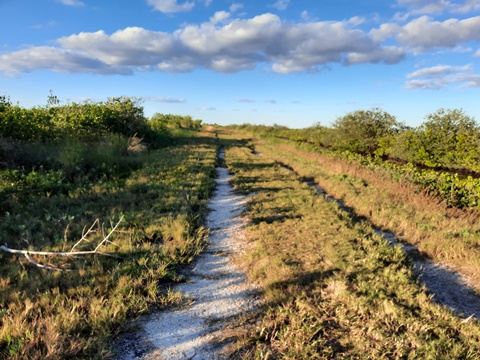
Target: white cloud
219,17
356,20
235,7
223,44
72,2
281,4
164,100
424,33
244,100
59,60
440,6
439,70
171,6
425,6
386,54
441,76
385,31
469,6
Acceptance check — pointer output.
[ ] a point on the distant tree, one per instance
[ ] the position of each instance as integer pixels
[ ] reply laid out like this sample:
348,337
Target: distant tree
364,131
320,135
448,138
4,102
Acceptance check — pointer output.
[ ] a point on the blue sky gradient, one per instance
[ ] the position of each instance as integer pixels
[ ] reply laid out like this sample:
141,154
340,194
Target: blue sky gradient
290,62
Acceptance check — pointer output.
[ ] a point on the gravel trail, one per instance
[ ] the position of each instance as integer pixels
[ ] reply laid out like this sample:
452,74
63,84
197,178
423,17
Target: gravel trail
217,289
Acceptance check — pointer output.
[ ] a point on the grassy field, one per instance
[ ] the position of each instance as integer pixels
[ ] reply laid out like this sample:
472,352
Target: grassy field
333,288
76,312
443,233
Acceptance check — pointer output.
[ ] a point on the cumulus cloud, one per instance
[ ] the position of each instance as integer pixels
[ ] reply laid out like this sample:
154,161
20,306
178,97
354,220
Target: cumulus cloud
222,44
59,60
387,54
424,33
385,31
219,17
244,100
441,76
171,6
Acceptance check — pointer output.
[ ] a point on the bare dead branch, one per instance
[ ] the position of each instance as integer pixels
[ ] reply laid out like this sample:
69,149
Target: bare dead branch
70,253
40,265
85,234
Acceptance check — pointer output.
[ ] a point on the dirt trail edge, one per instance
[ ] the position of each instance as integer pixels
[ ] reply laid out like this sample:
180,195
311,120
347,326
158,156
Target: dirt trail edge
218,290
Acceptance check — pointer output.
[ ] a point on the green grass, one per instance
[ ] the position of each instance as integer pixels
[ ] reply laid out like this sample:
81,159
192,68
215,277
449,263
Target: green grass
76,313
332,287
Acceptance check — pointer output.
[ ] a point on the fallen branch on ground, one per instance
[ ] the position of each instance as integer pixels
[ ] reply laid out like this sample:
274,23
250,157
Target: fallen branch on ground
70,253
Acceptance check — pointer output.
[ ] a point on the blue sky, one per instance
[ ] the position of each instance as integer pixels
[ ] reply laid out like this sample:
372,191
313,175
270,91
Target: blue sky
290,62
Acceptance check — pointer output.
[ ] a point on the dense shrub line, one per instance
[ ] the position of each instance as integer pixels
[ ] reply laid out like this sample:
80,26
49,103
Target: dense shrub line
80,142
448,138
441,156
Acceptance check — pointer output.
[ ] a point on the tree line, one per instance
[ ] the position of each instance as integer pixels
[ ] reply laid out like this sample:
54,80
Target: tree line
448,138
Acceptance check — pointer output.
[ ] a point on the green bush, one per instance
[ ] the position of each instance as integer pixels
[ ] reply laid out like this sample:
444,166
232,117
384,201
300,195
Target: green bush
448,138
163,122
34,124
364,131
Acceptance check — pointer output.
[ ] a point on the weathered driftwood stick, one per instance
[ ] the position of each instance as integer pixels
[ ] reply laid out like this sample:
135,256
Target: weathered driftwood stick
71,253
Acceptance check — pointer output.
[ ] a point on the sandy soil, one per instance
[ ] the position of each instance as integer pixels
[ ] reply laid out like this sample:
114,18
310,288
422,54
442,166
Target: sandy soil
217,290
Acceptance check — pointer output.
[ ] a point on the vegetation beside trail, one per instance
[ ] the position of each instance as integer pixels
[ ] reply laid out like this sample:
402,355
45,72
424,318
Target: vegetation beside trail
333,287
75,164
441,156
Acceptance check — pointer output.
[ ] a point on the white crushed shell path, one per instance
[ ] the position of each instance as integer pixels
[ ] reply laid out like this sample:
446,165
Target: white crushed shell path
217,288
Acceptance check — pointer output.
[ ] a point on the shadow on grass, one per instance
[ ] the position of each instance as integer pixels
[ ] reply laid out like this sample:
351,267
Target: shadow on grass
286,290
446,286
